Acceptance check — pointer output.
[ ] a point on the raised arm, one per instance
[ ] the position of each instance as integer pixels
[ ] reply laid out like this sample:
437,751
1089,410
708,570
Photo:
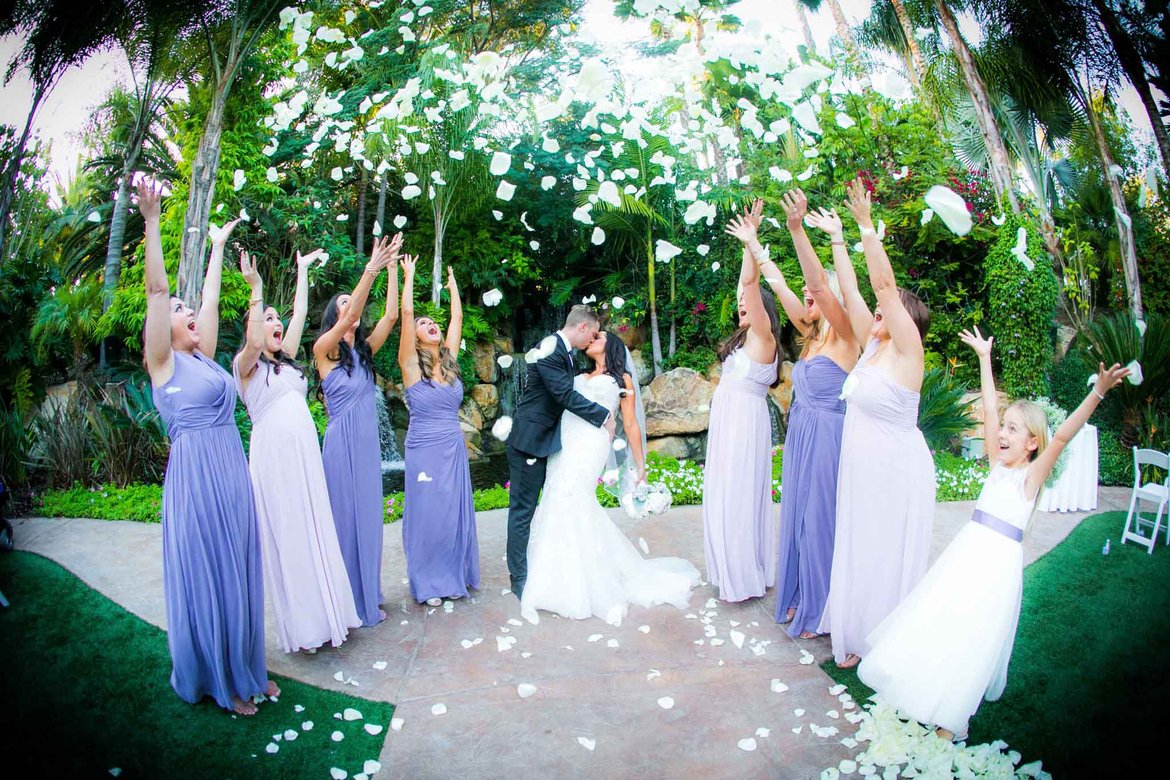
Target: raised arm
455,325
160,358
629,402
904,333
982,348
207,323
815,278
296,324
327,342
385,324
254,335
1040,468
407,353
759,328
860,317
747,231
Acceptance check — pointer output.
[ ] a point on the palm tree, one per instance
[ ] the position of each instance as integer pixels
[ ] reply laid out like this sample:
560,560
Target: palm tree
57,35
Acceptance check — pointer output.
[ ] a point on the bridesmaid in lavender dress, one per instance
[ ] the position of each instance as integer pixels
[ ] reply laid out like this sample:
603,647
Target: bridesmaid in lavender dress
885,489
211,548
812,448
738,532
352,452
438,527
303,569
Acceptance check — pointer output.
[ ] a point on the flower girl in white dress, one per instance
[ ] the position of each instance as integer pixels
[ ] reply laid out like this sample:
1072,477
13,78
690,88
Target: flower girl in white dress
946,647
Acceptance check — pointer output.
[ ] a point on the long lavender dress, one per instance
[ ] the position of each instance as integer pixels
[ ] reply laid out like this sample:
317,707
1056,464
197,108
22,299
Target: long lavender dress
211,545
808,504
739,537
303,570
438,526
885,507
353,472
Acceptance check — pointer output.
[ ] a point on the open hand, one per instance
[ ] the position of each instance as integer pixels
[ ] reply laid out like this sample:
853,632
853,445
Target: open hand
452,287
742,227
408,262
860,204
220,237
795,207
1107,380
150,197
382,254
248,269
826,220
304,261
975,341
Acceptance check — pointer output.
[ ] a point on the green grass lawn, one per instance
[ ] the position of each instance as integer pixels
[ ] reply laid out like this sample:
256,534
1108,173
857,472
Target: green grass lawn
1088,684
84,687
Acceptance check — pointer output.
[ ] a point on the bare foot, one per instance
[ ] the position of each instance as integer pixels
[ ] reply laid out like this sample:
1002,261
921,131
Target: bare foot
273,690
808,635
241,707
851,661
791,615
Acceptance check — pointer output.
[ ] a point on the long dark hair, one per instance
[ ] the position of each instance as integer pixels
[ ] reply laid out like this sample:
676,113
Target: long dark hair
281,358
740,336
345,353
615,359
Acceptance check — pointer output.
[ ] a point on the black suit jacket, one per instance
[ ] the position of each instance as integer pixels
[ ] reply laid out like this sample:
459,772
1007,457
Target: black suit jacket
548,393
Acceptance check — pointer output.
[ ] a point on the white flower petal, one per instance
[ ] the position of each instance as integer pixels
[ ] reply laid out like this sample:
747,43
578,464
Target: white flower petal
664,251
502,428
547,183
666,703
501,162
524,690
492,297
350,714
399,222
504,361
748,744
950,208
1135,372
618,302
587,743
337,736
506,190
598,237
439,709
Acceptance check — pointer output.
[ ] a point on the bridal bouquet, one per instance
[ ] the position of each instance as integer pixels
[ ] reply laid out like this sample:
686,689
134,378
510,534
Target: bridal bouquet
646,499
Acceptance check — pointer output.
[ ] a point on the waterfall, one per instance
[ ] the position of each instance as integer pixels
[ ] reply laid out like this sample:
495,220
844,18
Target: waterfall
774,416
511,383
391,455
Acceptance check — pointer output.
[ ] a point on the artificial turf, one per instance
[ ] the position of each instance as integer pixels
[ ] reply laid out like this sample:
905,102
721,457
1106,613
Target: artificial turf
1087,685
84,689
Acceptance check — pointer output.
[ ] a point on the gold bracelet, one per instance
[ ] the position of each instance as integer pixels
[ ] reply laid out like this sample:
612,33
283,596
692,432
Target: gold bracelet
256,300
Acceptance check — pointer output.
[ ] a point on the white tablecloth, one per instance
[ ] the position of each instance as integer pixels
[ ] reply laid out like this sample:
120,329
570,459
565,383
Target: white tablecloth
1077,487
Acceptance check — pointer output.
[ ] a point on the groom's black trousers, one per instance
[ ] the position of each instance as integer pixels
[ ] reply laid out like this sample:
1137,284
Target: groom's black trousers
526,481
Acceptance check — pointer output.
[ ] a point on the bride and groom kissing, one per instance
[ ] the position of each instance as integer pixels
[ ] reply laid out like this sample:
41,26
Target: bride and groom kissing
564,553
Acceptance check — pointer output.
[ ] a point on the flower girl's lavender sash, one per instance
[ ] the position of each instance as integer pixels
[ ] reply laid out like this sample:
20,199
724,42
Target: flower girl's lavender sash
1003,527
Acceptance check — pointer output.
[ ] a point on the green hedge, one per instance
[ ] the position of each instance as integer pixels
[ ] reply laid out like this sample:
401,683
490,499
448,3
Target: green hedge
958,480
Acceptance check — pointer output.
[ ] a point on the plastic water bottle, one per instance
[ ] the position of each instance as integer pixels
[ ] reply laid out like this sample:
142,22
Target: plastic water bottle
1105,549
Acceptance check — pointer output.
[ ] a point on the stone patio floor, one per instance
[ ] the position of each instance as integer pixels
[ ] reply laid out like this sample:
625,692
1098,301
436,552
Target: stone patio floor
604,690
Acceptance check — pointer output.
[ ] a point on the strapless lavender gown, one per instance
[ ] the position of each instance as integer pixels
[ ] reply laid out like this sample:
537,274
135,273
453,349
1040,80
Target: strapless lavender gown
438,524
808,501
353,471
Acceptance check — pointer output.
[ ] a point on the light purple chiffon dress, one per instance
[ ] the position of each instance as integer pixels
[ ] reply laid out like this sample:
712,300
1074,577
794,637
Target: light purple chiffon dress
885,508
438,524
808,502
739,532
211,545
353,471
304,573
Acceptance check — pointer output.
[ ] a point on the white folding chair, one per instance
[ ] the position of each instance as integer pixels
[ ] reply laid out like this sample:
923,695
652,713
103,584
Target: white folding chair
1153,492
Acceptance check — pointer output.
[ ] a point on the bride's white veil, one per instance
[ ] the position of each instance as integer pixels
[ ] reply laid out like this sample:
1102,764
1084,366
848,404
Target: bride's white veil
621,461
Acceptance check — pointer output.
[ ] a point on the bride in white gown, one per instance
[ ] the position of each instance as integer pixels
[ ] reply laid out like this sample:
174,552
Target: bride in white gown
579,563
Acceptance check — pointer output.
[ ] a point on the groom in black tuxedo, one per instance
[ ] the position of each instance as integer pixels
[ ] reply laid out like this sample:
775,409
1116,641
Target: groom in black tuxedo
536,430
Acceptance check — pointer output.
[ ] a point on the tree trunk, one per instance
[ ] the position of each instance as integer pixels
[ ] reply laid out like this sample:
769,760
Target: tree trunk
918,64
380,213
360,238
1135,71
12,169
204,169
437,266
1000,168
806,31
115,246
1133,287
655,340
673,316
